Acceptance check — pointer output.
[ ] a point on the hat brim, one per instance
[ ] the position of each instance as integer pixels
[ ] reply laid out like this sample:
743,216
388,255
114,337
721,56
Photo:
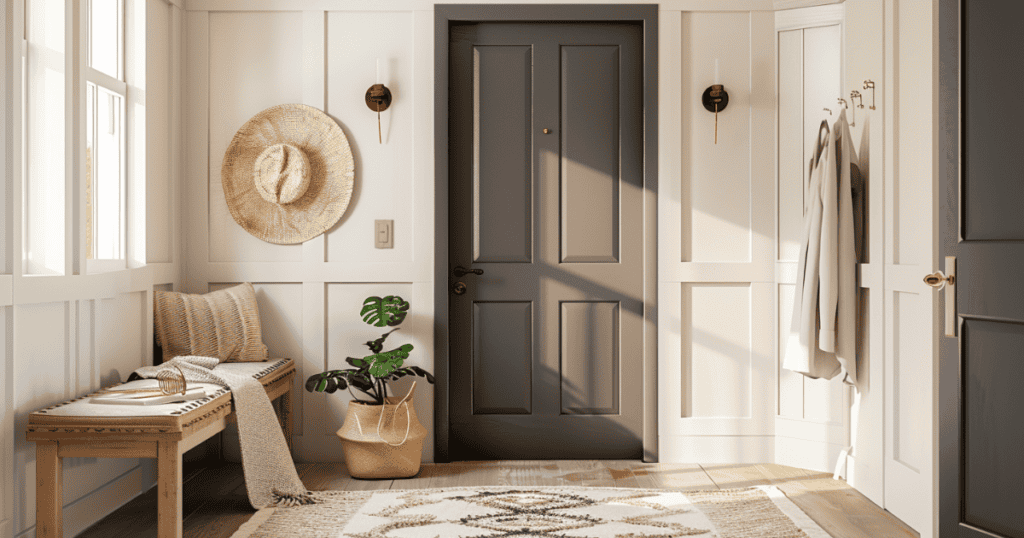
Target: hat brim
332,174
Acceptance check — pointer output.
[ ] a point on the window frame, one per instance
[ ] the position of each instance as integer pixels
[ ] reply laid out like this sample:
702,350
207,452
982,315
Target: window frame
118,86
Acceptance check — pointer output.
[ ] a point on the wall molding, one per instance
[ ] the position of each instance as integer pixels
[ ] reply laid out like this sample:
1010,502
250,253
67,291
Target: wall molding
810,17
428,5
795,4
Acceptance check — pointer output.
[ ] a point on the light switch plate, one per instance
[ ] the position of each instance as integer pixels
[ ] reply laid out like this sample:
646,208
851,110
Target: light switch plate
384,234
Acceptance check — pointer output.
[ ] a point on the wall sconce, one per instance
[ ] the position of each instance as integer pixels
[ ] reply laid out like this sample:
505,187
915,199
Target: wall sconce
378,98
715,99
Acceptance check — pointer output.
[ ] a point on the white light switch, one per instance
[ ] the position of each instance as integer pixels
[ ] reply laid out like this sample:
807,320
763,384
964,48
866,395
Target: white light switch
383,236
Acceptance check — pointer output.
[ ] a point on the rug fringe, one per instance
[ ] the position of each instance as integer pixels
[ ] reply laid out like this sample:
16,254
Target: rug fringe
286,500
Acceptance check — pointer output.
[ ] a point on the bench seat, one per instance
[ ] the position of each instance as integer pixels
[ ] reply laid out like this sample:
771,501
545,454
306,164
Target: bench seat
78,428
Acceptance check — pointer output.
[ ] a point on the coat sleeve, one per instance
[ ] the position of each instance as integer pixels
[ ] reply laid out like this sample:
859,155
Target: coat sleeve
828,265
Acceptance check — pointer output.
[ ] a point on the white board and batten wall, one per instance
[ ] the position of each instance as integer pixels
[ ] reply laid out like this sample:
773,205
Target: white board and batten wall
889,419
716,368
812,421
68,333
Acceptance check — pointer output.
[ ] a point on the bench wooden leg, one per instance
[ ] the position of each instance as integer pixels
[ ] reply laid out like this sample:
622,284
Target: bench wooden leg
285,417
168,490
49,491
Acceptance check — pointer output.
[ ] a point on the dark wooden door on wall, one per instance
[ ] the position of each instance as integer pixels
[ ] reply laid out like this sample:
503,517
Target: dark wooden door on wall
546,181
982,373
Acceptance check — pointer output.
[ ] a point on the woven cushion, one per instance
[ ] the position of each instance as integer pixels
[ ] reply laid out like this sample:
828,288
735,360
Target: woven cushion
223,324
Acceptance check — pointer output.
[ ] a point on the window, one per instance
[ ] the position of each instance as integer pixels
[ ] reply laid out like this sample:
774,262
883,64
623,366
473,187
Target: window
105,178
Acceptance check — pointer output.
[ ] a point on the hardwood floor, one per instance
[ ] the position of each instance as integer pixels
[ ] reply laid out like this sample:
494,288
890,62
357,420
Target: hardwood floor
215,504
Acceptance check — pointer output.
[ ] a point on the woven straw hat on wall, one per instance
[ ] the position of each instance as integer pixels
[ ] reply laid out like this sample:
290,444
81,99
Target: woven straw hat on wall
288,174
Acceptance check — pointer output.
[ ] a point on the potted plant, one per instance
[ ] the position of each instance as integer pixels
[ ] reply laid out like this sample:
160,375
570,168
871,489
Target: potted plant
381,436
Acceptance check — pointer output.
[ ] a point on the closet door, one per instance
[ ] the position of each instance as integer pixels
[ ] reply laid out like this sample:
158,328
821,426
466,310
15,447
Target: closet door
911,316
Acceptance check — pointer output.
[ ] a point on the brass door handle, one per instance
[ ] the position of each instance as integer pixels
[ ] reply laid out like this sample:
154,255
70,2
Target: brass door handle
938,280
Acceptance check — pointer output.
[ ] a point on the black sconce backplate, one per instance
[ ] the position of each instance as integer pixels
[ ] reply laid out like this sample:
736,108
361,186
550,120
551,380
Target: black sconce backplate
715,94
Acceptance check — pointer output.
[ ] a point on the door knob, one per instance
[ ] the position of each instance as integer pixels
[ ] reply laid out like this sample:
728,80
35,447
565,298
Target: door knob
459,288
460,271
938,280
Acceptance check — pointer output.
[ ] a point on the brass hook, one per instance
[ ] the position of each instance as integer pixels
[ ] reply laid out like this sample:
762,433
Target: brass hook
871,84
856,95
842,101
828,110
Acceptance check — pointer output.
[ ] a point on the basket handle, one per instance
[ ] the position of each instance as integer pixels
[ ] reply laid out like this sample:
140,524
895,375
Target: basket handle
408,417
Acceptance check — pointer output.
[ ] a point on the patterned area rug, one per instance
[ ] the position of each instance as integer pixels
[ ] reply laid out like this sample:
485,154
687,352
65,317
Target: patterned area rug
538,512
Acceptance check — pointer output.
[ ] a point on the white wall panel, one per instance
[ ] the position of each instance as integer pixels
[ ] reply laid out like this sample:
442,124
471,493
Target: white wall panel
718,175
384,173
120,344
791,162
909,365
41,364
791,384
255,62
717,350
716,242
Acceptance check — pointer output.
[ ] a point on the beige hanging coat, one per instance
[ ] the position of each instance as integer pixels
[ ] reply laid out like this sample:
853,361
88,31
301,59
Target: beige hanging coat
822,341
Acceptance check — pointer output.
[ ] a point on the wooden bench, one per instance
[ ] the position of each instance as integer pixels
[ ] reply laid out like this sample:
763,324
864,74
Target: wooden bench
76,429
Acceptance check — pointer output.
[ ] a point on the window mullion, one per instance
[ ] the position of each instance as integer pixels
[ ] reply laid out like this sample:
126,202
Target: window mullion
107,82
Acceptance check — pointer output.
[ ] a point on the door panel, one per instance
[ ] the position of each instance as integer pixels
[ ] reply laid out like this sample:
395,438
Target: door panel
502,357
590,358
982,472
547,343
502,94
993,425
590,154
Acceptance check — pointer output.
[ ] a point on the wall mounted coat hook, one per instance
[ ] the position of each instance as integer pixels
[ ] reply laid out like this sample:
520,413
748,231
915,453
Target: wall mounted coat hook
871,84
842,101
856,95
715,99
829,110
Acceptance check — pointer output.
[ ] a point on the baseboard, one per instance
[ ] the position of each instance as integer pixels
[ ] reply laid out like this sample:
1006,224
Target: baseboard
811,455
86,511
865,479
716,449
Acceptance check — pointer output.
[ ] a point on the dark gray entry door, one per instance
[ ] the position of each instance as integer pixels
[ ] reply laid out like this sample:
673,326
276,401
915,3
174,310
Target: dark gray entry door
546,172
982,374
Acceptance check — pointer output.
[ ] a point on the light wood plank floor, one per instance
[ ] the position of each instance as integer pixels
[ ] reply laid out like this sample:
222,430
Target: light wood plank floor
215,504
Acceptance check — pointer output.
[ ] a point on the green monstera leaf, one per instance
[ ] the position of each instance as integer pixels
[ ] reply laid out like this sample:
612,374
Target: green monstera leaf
411,370
384,364
386,312
329,381
377,345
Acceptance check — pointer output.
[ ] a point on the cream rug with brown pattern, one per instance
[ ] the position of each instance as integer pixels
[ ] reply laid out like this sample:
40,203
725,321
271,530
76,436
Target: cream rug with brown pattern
538,512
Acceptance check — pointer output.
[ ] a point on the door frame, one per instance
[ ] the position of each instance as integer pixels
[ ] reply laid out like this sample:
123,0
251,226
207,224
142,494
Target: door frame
645,15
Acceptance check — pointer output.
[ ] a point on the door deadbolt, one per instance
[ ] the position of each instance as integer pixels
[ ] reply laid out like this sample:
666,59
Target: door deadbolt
459,288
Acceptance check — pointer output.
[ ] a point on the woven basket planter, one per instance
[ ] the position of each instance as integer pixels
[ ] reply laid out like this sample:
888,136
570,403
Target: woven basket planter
393,451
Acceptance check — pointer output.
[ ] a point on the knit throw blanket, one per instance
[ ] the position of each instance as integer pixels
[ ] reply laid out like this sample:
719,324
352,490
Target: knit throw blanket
270,475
